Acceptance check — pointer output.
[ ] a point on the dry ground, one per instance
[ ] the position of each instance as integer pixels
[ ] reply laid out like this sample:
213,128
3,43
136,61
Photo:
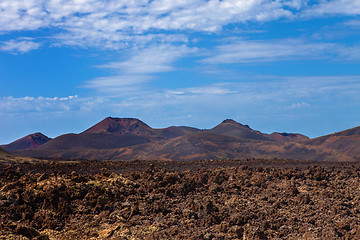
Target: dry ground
247,199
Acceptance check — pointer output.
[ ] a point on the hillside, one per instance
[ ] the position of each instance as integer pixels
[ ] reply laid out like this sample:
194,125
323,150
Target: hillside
232,128
287,137
346,142
130,138
30,141
198,146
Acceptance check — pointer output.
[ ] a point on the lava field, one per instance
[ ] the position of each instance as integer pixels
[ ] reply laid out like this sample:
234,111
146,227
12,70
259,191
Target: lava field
248,199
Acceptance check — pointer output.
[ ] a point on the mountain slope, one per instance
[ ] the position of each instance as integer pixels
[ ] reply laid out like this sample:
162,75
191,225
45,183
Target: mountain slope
175,131
232,128
197,146
92,140
287,137
345,142
130,138
30,141
123,125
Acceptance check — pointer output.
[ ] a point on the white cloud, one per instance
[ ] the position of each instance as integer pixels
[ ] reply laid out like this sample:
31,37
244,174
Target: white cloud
242,51
47,105
141,67
116,24
262,92
333,7
353,23
21,45
299,105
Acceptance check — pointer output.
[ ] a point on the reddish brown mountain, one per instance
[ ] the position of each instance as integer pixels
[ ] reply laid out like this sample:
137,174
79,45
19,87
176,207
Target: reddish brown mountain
197,146
346,142
129,138
232,128
139,128
175,131
112,133
92,141
120,126
287,137
31,141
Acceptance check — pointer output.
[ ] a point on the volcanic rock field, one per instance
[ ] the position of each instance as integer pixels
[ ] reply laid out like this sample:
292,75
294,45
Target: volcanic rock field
227,199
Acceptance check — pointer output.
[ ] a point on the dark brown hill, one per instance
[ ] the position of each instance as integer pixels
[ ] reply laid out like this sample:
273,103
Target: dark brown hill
130,138
203,145
232,128
123,125
200,146
3,152
31,141
346,142
92,141
135,126
175,131
287,137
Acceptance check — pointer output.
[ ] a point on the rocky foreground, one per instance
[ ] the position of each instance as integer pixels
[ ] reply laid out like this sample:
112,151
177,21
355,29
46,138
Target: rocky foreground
253,199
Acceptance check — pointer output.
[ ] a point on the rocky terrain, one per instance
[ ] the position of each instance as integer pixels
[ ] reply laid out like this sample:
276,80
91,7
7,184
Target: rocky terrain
224,199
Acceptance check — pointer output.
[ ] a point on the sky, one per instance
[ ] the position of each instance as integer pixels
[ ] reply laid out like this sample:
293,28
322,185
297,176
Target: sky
283,65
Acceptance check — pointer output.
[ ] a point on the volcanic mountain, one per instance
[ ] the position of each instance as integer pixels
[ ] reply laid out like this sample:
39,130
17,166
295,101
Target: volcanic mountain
346,142
31,141
130,138
135,126
287,137
232,128
110,133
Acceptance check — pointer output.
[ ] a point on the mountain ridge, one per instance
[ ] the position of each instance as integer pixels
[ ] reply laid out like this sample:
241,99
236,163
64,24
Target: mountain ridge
130,138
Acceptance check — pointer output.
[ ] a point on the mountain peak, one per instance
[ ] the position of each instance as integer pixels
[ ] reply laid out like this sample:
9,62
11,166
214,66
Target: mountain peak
30,141
233,122
119,126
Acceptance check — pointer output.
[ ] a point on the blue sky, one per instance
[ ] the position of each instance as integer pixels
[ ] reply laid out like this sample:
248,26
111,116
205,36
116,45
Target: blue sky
285,65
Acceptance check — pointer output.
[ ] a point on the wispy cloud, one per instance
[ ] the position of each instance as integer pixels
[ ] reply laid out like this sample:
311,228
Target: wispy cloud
141,67
242,51
262,91
47,105
21,45
333,7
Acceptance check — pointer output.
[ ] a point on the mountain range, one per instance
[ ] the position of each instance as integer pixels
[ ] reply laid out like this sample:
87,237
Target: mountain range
130,138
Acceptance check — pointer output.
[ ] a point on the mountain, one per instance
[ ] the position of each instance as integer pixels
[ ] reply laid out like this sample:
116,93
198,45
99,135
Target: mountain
175,131
120,126
345,142
110,133
135,126
31,141
92,140
3,152
130,138
287,137
197,146
232,128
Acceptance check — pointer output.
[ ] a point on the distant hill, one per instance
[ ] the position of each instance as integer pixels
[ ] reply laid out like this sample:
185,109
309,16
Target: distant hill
30,141
197,146
345,142
232,128
130,138
287,137
3,152
93,141
6,158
